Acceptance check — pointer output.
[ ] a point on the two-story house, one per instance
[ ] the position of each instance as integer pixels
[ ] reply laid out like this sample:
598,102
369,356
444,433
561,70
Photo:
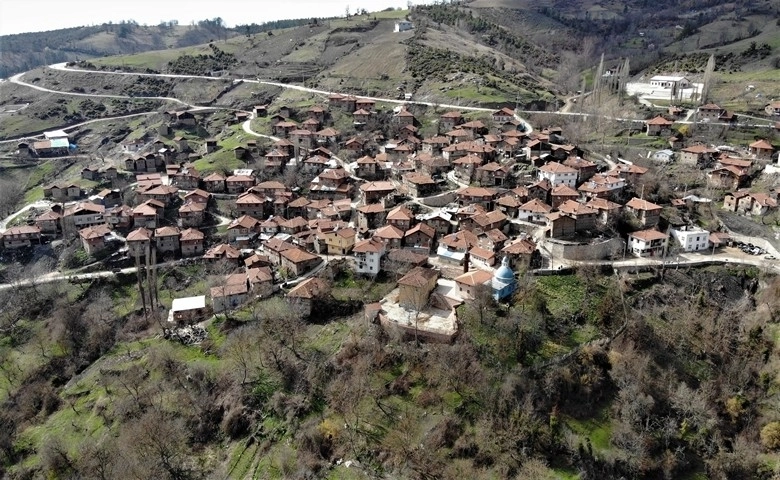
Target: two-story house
646,212
21,236
242,230
139,242
84,214
251,204
647,243
191,242
558,173
166,239
148,214
93,239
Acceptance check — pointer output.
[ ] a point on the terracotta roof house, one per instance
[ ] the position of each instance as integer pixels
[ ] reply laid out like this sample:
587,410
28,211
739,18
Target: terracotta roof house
21,236
454,246
762,149
419,184
192,214
139,241
166,239
483,222
249,203
606,210
658,126
420,237
403,117
756,204
242,230
646,212
93,239
273,248
239,183
630,173
477,196
332,184
368,255
560,225
370,216
231,293
450,120
697,154
303,297
562,193
49,222
493,174
584,216
647,243
729,177
191,242
504,115
163,193
400,217
297,261
585,168
468,283
416,286
558,173
147,214
509,204
374,192
223,251
602,186
521,252
84,214
336,241
390,235
119,217
482,256
710,112
534,211
214,183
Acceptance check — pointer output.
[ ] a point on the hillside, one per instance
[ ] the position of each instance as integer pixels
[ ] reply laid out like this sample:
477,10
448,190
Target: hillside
26,51
231,269
364,55
268,396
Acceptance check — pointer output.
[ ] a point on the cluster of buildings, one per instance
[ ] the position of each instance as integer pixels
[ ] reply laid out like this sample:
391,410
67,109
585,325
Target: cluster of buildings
388,207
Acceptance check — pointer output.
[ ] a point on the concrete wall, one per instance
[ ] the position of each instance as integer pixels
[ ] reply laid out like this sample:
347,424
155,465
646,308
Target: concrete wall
584,251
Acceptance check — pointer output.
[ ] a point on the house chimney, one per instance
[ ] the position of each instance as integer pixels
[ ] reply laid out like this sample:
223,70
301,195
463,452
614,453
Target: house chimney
466,258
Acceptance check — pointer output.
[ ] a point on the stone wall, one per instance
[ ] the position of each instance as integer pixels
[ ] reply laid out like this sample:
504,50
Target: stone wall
439,200
585,250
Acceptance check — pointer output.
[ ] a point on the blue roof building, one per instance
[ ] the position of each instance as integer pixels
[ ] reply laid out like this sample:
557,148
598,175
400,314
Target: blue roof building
504,282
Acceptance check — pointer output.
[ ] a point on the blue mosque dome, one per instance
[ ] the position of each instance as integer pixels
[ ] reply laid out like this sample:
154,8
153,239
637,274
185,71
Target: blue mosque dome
503,282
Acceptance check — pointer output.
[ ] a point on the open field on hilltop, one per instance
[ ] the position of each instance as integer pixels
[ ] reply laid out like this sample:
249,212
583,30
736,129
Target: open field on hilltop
728,29
450,39
384,54
158,59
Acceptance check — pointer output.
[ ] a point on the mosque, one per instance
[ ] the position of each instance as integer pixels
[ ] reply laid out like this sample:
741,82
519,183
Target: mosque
503,282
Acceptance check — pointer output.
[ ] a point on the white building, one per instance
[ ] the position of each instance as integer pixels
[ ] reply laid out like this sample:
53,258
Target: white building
664,156
188,309
403,26
691,239
647,243
368,254
671,82
559,173
55,134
